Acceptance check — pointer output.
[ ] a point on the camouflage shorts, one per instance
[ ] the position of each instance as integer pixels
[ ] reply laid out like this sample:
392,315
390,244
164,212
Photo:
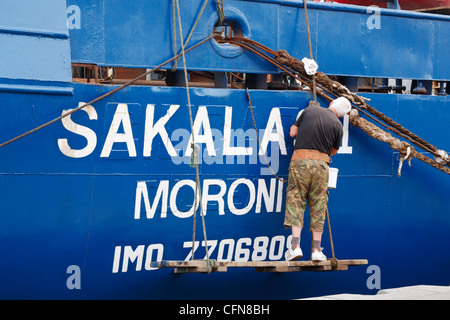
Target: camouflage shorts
308,182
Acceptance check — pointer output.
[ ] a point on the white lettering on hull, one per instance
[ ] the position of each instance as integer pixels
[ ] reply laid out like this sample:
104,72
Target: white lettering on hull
214,139
227,199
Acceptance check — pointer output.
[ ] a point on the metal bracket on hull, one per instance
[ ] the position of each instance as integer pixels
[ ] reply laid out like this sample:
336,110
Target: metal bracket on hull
200,266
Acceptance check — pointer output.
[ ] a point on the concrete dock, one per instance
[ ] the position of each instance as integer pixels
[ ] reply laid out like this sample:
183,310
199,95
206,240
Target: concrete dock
421,292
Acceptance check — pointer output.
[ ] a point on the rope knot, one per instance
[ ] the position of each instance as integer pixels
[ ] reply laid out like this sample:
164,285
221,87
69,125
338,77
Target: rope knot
405,154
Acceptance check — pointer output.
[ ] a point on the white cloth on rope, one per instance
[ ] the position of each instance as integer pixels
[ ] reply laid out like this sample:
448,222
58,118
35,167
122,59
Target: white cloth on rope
443,157
310,66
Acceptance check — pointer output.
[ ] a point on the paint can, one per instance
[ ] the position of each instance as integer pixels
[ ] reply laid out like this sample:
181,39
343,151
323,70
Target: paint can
332,178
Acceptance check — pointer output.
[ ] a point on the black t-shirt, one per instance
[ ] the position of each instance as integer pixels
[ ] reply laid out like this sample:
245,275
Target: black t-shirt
318,129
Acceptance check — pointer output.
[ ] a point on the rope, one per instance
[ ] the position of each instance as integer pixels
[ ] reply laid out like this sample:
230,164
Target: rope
197,193
407,152
255,46
190,33
174,28
257,138
360,103
295,68
310,47
340,90
220,12
129,83
334,261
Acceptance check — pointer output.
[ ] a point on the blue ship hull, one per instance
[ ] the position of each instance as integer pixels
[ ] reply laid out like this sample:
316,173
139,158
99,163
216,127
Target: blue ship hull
89,202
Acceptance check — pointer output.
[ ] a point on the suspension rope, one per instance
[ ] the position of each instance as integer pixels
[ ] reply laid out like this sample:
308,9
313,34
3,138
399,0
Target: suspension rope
190,33
197,194
310,48
220,12
259,143
174,29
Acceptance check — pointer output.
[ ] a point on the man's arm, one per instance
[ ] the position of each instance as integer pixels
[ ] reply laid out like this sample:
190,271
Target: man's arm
294,129
293,132
337,143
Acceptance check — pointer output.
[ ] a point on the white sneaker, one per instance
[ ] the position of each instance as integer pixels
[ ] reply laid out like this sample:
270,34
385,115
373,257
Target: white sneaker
292,255
318,256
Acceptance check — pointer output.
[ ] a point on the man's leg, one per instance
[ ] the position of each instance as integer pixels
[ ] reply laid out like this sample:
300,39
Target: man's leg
317,239
295,200
296,232
295,208
318,200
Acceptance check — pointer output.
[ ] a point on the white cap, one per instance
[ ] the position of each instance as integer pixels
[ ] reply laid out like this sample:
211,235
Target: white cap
342,106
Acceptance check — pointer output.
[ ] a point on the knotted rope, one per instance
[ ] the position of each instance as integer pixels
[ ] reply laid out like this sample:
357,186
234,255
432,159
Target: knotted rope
407,152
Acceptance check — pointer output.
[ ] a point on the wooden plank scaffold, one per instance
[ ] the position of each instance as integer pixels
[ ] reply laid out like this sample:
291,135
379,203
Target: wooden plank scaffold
211,265
201,266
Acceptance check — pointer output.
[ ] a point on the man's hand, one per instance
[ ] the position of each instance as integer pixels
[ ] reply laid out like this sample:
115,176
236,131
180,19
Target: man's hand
333,151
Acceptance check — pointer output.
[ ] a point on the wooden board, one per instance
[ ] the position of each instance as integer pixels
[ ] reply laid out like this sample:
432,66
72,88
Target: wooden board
260,266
